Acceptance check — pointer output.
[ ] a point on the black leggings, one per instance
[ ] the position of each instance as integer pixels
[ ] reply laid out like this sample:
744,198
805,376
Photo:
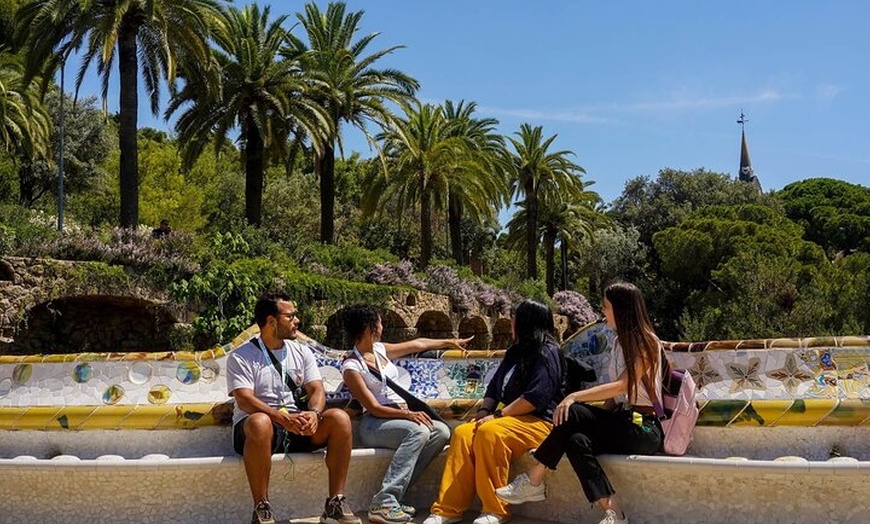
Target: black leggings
591,431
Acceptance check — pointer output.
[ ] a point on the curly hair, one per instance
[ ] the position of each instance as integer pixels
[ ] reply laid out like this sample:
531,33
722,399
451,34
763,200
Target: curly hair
357,318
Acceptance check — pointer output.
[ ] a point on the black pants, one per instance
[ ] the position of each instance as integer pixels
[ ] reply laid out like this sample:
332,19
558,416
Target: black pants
591,431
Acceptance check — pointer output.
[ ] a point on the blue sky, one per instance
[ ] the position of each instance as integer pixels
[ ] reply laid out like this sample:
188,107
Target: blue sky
636,86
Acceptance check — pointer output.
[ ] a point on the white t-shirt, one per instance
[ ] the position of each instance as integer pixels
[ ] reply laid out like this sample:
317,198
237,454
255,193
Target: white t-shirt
382,393
617,366
248,367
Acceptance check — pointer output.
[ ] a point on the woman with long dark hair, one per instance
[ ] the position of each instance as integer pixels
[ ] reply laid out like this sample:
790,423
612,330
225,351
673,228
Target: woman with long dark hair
625,424
387,422
513,419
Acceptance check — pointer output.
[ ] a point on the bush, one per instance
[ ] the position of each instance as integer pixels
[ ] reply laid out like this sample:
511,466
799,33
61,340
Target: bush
129,247
575,306
345,261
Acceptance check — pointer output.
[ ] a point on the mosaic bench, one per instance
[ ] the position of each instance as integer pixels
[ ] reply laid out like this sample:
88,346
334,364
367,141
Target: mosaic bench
781,420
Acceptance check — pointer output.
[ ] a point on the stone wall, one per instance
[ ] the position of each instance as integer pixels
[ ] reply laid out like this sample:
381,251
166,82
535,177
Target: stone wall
40,312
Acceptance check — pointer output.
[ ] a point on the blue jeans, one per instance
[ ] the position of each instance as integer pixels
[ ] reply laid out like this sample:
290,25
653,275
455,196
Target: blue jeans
416,446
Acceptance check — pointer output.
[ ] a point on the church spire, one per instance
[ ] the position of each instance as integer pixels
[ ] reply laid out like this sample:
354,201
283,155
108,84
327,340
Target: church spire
747,174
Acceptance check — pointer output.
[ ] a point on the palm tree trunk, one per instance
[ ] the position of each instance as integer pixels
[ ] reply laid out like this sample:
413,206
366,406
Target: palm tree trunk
454,221
531,231
253,173
550,258
425,223
128,115
563,250
326,171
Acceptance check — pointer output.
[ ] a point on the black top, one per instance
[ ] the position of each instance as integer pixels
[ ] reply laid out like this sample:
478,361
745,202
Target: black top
540,388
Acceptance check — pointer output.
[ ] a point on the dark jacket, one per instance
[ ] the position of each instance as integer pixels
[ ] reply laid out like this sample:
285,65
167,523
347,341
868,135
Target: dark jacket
541,386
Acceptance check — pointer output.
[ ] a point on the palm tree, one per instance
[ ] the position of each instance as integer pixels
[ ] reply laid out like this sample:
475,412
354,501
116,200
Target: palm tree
480,191
352,90
252,89
25,125
567,219
418,152
146,34
535,169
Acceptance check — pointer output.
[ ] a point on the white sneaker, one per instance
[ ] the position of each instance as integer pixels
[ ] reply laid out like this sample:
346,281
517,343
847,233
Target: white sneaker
611,518
440,519
521,490
491,518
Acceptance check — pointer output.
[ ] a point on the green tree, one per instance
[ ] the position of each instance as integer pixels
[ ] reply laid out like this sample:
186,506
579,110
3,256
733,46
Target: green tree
479,188
563,218
149,34
25,125
419,153
835,214
166,190
253,90
743,271
86,144
351,89
536,169
613,253
654,205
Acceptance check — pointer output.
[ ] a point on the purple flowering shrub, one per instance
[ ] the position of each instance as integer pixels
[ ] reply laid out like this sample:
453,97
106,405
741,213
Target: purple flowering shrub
398,274
444,280
129,247
575,306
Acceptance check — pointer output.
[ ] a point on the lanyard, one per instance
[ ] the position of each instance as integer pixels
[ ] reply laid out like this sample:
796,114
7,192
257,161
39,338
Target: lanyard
377,365
283,374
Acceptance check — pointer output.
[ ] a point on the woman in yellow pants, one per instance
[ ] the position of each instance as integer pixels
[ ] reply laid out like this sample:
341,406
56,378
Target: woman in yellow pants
515,418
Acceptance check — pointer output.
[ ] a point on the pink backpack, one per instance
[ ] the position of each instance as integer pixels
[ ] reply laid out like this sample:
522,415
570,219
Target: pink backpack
680,411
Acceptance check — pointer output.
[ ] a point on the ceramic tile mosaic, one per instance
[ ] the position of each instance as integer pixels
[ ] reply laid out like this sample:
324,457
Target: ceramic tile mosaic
781,385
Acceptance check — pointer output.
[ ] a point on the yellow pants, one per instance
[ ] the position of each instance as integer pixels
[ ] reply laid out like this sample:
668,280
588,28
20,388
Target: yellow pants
479,460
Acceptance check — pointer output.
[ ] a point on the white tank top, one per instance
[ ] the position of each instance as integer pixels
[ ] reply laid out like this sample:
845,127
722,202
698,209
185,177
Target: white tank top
642,398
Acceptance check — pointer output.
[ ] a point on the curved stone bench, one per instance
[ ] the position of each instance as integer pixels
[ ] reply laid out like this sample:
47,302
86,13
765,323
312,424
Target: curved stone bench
146,437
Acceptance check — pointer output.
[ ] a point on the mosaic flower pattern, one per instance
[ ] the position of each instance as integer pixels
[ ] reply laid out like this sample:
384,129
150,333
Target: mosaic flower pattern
703,372
745,376
732,378
791,374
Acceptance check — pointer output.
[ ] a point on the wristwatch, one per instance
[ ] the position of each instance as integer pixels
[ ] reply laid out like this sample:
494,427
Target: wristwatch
496,414
319,414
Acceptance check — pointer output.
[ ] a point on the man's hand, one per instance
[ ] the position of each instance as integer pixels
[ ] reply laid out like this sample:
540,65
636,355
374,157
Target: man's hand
294,422
309,422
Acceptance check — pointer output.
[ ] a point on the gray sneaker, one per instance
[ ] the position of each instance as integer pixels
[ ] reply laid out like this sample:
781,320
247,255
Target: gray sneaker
521,490
263,513
337,511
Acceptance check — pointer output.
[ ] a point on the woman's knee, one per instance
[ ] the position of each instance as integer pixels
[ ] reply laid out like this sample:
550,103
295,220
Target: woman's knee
440,432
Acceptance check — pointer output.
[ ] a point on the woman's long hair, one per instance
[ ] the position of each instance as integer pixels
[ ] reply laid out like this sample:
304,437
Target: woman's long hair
534,327
640,345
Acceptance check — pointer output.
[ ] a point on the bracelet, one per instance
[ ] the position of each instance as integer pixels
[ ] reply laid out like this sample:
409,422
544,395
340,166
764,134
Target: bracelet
497,413
319,414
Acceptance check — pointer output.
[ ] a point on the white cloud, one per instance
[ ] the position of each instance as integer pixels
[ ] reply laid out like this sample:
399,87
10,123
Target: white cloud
578,117
693,102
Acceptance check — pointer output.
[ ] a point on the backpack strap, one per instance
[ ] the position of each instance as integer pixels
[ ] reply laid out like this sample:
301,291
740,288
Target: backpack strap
666,384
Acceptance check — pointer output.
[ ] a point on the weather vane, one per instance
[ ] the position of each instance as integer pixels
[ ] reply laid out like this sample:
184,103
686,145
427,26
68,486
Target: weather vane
742,120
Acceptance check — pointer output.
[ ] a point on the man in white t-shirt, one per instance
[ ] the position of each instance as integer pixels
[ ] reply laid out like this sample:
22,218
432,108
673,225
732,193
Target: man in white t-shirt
270,415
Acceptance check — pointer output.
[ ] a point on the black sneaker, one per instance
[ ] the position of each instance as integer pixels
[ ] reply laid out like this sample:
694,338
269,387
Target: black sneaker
263,513
337,511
